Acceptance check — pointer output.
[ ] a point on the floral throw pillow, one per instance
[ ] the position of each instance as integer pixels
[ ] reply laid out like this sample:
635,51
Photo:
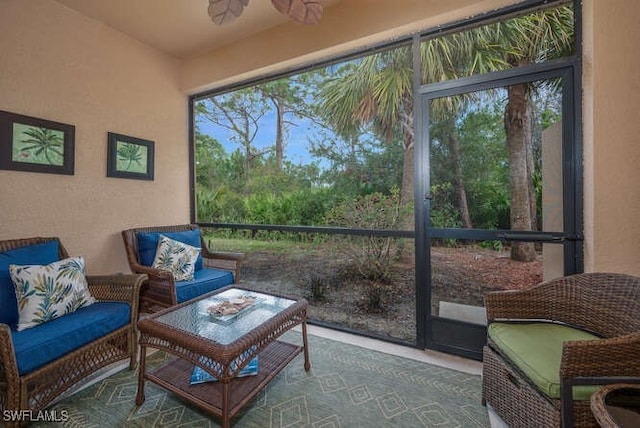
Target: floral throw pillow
176,257
47,292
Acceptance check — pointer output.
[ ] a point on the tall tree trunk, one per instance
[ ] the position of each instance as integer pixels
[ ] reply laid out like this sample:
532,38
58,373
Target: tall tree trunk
531,165
517,122
461,191
407,221
279,132
247,168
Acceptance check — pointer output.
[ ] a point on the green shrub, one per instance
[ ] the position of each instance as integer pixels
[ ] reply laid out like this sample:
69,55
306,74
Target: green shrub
219,205
303,208
372,255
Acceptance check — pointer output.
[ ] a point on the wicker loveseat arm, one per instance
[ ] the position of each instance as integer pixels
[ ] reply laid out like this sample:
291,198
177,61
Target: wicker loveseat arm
223,260
8,364
123,288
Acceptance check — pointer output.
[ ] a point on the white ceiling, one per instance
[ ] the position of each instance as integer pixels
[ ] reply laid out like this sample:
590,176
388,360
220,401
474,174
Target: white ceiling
180,28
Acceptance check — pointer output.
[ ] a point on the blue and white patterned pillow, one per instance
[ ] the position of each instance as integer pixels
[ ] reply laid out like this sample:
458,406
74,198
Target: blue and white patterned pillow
47,292
176,257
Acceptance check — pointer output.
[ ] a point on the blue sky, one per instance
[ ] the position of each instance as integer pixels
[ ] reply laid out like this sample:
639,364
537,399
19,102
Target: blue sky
296,139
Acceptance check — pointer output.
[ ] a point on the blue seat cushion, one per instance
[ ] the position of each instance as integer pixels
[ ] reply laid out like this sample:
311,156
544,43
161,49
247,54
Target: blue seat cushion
37,254
37,346
148,243
204,281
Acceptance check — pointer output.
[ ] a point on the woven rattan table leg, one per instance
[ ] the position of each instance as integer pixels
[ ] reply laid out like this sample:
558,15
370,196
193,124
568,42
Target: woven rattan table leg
226,404
141,369
307,363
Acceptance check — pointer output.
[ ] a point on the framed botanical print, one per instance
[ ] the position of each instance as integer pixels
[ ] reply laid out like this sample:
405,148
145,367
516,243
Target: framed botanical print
129,157
36,145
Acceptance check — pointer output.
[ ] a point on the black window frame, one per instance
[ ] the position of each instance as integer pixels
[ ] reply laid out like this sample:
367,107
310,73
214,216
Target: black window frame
574,161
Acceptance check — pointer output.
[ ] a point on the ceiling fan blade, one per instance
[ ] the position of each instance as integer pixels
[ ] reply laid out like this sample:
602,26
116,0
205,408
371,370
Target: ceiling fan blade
301,11
225,11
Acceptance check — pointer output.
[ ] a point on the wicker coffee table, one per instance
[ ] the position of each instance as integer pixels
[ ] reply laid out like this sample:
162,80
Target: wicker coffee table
204,333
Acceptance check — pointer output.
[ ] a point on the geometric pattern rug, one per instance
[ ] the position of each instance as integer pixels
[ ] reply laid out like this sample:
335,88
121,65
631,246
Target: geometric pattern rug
347,386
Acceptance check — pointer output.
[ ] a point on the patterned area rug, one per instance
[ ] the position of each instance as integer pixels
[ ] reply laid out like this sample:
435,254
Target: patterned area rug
347,386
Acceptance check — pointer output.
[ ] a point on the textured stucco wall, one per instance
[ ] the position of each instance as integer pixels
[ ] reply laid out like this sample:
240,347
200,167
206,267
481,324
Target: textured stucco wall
611,135
59,65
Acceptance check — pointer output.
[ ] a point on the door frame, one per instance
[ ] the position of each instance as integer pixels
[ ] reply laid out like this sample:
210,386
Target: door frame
457,337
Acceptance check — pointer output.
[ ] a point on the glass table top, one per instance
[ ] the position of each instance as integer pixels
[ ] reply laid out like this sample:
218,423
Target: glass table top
226,316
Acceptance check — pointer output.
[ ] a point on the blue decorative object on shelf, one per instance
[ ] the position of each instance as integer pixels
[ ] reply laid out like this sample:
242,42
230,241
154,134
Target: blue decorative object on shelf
199,375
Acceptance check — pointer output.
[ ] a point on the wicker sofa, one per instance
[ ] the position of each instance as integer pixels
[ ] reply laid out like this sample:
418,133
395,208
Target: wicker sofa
39,364
550,347
215,270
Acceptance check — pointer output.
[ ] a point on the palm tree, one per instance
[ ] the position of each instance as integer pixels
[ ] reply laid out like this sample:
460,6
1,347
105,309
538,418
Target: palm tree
377,90
537,37
44,141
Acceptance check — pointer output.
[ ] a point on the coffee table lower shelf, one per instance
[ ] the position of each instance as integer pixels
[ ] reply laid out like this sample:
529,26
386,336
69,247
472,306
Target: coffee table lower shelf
175,375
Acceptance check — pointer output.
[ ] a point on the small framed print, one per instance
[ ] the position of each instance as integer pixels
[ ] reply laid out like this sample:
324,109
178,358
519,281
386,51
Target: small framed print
129,157
36,145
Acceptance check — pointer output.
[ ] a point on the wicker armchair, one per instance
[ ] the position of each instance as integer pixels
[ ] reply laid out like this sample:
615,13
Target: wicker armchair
160,291
604,304
37,389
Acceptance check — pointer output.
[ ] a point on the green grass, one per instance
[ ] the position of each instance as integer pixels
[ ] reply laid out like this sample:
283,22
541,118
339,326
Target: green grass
250,245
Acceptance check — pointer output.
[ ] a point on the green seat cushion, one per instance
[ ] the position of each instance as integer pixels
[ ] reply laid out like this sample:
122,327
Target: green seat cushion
536,349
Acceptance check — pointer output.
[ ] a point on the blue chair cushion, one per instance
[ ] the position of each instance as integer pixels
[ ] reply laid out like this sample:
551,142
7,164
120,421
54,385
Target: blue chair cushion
37,254
37,346
204,281
148,243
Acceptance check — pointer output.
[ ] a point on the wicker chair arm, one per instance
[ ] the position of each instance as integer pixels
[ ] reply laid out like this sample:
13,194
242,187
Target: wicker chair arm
617,356
160,287
531,304
153,273
124,288
8,363
223,260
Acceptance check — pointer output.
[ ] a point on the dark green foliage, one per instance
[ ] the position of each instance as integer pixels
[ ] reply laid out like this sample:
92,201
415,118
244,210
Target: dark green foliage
484,159
302,207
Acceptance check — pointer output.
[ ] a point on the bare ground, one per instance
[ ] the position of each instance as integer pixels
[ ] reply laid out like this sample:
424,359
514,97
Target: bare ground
338,295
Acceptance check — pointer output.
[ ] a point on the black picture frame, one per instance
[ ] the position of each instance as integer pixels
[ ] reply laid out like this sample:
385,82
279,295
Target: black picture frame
129,157
36,145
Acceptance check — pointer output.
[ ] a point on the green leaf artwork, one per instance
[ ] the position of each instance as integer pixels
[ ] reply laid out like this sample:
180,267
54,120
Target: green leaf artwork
32,144
131,157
